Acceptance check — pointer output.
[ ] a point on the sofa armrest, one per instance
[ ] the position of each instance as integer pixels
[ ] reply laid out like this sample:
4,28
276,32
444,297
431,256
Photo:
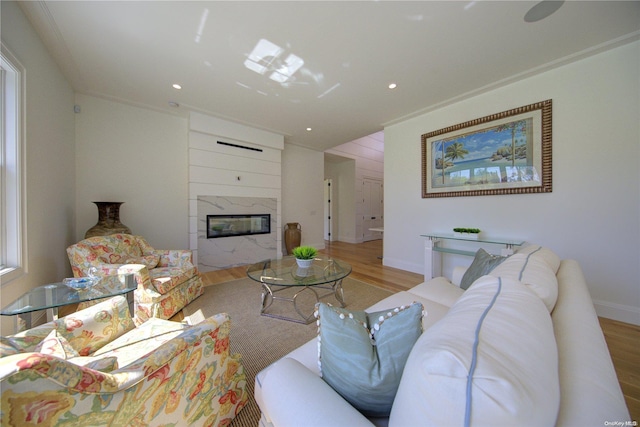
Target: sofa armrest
140,272
174,257
189,380
458,273
590,390
214,329
103,269
44,368
283,395
75,377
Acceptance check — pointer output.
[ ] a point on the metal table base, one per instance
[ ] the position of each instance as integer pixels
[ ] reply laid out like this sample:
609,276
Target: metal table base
269,295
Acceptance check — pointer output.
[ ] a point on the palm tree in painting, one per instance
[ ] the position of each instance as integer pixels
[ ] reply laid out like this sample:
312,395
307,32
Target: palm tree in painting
513,127
456,151
440,163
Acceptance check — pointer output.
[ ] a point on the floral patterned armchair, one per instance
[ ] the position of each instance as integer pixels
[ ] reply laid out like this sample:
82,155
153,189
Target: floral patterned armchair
167,279
94,367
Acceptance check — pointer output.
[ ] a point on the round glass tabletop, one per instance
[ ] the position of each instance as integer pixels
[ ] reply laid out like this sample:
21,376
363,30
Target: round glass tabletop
286,272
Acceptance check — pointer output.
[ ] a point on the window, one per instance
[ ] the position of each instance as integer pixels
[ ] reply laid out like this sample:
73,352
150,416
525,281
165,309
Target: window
12,211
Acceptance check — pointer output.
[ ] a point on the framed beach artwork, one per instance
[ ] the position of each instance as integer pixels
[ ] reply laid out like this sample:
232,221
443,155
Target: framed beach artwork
504,153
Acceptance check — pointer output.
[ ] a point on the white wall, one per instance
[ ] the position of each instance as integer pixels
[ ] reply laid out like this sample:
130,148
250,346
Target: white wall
367,154
593,213
136,156
50,161
220,170
302,193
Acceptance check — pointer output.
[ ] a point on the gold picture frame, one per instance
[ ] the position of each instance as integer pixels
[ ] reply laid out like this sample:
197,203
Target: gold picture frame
504,153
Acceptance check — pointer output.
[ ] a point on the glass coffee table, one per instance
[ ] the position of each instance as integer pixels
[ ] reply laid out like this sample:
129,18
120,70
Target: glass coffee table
54,295
278,275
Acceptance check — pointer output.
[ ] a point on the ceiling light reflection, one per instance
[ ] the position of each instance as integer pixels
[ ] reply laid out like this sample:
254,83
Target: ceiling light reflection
203,23
265,57
288,69
328,91
469,5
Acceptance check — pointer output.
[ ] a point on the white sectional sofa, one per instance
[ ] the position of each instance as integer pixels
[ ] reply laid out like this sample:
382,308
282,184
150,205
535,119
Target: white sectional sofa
521,346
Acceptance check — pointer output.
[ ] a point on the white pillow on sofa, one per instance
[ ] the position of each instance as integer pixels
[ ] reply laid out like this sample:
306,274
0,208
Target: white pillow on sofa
550,257
514,368
534,271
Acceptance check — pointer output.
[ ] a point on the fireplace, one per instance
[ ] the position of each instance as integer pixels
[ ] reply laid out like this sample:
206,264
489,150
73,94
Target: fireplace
235,231
237,225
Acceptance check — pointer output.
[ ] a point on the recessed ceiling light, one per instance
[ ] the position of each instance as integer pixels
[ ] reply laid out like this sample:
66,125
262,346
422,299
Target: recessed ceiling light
393,86
176,86
308,129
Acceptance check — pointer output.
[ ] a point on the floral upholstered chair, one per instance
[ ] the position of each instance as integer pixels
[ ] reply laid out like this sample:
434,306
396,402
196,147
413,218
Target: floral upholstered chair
167,279
94,367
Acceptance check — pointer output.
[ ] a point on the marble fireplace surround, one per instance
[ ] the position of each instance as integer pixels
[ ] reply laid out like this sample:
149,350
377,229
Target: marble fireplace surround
232,251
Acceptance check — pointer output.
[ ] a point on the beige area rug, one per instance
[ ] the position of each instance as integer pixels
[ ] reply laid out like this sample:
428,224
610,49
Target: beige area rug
262,340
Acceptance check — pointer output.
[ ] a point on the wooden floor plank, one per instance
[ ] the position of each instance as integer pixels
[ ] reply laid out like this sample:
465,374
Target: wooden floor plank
623,341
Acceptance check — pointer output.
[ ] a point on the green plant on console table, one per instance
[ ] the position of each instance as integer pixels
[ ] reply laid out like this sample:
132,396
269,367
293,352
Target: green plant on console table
467,230
305,252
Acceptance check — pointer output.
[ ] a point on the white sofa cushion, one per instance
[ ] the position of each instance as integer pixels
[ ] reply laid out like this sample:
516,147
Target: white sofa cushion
503,342
533,270
439,290
591,394
435,311
550,257
295,396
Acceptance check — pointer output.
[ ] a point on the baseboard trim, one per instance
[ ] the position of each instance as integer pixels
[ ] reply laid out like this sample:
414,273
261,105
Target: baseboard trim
402,265
619,312
347,239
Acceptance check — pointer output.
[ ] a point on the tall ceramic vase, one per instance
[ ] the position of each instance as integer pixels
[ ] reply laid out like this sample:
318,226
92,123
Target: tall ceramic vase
108,220
292,236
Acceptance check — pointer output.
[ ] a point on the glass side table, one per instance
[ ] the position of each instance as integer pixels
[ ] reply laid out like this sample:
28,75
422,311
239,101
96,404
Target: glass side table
50,297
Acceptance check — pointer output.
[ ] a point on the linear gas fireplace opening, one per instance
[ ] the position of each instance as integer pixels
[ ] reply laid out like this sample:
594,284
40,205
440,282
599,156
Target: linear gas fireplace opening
237,225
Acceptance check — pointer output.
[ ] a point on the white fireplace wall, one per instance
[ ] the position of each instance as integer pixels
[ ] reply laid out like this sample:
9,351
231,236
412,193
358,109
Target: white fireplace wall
231,251
247,165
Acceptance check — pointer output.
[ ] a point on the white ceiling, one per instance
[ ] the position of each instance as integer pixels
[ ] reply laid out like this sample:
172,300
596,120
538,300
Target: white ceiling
436,51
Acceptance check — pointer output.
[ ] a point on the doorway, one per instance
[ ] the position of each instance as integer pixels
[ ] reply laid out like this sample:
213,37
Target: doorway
372,208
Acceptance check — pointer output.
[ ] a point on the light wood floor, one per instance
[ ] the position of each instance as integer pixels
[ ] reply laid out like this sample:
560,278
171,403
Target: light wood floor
622,338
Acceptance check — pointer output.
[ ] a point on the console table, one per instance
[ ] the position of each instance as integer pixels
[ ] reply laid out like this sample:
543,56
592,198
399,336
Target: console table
433,248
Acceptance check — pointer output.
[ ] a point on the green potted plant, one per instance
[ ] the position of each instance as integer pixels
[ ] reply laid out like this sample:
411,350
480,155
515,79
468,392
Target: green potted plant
467,233
304,255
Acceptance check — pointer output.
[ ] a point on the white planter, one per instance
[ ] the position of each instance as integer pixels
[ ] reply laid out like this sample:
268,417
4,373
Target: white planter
304,263
303,272
467,236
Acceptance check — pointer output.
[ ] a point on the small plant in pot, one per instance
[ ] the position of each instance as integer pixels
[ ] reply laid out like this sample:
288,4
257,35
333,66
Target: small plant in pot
304,255
468,233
